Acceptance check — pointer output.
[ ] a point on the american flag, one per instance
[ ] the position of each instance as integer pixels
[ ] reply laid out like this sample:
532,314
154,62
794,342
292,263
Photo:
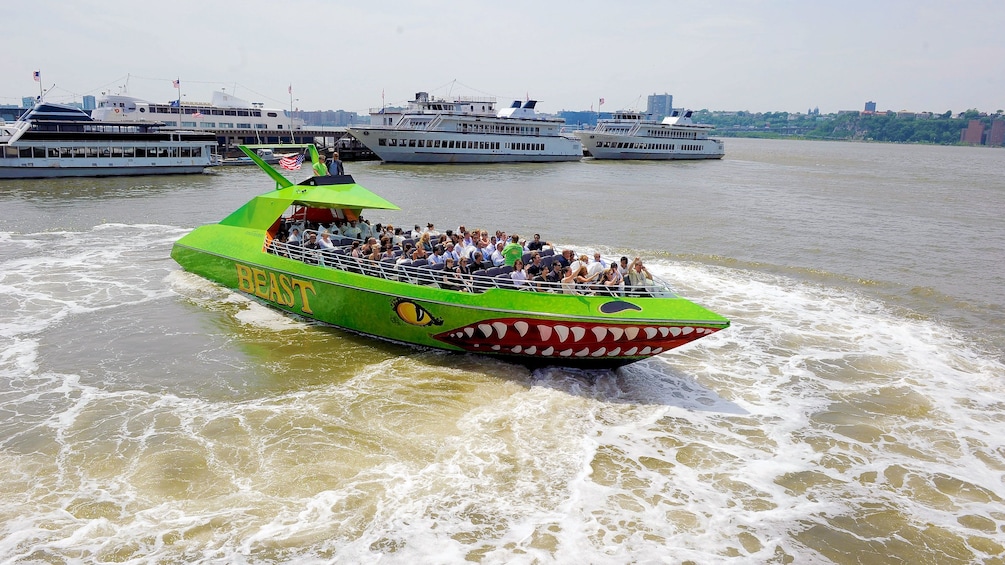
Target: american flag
601,101
292,163
176,83
37,75
197,115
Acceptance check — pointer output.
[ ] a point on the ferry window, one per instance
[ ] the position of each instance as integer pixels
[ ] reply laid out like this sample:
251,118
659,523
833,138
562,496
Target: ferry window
188,124
261,126
127,152
116,152
226,124
197,152
243,113
436,143
92,152
229,112
216,112
186,151
10,152
422,143
382,141
53,152
209,124
141,151
451,144
244,126
272,115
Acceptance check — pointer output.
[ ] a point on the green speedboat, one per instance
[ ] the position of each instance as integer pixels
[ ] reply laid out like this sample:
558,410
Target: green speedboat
413,304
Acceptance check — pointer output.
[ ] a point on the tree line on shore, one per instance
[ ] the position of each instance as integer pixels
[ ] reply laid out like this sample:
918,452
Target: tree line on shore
943,129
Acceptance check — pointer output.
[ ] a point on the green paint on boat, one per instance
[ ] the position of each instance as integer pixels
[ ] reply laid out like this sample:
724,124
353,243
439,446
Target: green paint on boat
535,328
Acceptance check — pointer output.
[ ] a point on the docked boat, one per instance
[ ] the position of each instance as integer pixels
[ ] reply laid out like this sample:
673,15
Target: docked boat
411,302
54,140
632,135
466,130
224,112
266,154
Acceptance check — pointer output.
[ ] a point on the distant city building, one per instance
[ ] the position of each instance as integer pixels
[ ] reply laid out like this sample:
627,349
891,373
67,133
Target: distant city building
973,134
659,105
27,101
89,103
996,137
870,107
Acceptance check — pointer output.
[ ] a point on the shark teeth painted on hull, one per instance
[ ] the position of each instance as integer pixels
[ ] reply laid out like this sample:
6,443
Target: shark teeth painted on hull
546,338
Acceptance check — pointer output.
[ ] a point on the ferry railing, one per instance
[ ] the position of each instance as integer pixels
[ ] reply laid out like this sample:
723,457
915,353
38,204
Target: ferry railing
427,275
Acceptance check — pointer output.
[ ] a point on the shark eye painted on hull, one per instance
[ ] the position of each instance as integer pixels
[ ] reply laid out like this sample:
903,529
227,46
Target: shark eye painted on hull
412,313
615,306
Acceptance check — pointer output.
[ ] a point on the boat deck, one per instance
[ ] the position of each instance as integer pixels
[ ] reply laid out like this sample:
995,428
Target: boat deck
421,272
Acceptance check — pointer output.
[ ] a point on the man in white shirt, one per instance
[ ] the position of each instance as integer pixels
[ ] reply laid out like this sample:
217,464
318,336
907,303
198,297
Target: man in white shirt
497,257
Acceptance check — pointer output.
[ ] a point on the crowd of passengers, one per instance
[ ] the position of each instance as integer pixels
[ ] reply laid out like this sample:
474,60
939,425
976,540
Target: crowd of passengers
467,254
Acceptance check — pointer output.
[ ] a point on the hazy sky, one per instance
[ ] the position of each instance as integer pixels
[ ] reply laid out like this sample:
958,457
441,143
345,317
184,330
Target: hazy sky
918,55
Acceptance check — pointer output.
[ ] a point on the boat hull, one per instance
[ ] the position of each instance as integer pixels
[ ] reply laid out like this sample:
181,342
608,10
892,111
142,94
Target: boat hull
45,172
438,147
527,327
605,146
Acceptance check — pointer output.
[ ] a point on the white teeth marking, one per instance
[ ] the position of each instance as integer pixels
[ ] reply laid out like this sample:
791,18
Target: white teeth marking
500,329
657,351
517,348
600,332
687,330
645,350
650,333
566,353
486,329
548,352
664,331
631,351
631,333
563,333
617,333
545,332
496,347
600,352
469,331
531,350
614,352
521,328
578,333
583,352
675,331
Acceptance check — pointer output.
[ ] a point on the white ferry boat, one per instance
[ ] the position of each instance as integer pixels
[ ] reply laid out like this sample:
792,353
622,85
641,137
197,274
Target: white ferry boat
632,135
466,130
53,140
224,112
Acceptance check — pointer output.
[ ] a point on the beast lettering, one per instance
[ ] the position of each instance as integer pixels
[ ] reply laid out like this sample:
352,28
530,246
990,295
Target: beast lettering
274,288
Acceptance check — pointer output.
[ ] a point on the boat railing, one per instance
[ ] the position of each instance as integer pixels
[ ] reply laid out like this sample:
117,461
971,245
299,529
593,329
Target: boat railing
421,272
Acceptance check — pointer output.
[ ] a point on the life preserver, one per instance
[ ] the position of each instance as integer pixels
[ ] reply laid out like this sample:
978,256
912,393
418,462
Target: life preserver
116,110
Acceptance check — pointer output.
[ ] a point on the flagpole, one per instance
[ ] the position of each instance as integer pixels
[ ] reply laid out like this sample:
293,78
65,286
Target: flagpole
177,84
290,90
40,86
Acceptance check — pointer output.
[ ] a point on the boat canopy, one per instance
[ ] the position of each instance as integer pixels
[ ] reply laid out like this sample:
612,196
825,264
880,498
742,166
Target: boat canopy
330,191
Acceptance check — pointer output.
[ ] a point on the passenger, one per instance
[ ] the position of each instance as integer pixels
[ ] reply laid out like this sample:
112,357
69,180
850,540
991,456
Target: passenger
375,254
355,251
583,261
640,280
614,283
568,281
486,248
416,232
478,262
398,237
336,167
419,253
597,267
498,259
352,230
425,242
431,230
294,238
326,241
387,253
554,276
312,241
451,278
565,258
536,270
519,276
448,251
623,267
437,257
406,255
513,250
536,244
